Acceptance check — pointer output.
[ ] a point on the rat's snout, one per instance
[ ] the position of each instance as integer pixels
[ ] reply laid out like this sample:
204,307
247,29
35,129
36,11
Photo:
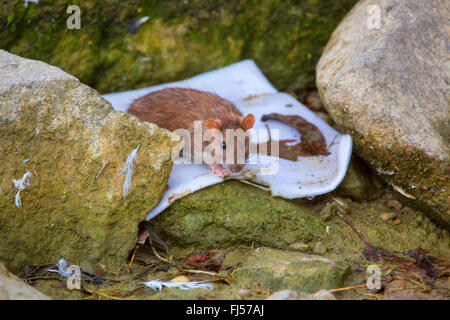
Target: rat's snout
235,168
235,149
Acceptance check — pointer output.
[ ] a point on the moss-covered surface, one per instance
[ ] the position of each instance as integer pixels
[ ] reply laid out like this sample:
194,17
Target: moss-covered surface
278,270
262,269
66,133
181,38
233,213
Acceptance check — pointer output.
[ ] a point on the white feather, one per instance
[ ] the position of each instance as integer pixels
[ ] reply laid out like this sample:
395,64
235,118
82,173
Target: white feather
21,184
128,168
62,266
158,284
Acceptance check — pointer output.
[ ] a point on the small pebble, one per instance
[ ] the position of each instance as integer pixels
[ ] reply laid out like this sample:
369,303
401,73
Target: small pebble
180,279
244,293
387,216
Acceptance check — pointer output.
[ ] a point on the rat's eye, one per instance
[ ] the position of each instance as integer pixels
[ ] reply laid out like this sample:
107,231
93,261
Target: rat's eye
224,145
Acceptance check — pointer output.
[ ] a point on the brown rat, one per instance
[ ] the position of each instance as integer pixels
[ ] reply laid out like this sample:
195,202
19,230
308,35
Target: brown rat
178,108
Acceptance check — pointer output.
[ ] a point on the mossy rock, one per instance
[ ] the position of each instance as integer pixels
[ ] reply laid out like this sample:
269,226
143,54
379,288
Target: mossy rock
232,214
277,270
181,38
75,146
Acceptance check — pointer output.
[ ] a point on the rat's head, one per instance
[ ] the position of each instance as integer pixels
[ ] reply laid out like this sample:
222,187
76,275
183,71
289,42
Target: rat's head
235,140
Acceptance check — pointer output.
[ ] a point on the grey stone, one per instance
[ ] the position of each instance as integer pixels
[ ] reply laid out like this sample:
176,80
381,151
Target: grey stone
388,88
72,208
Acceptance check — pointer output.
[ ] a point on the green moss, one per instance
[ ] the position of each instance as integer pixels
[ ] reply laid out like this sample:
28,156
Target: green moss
278,270
67,211
231,214
181,39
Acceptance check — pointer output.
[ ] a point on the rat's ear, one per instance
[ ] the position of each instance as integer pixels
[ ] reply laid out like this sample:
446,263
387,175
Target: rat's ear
211,124
248,122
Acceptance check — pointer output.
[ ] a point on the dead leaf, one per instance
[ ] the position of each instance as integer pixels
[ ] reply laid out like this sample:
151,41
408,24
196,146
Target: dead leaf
312,141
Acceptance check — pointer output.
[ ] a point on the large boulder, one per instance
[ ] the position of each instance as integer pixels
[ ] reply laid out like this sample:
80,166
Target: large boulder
388,88
179,40
74,145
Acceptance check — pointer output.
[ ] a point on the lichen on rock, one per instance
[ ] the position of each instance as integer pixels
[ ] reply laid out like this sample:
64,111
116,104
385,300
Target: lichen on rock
68,133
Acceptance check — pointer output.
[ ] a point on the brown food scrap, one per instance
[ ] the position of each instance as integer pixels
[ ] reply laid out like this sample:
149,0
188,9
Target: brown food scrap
142,236
146,232
312,141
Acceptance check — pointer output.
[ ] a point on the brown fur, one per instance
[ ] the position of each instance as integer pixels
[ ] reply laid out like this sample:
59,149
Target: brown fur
176,108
